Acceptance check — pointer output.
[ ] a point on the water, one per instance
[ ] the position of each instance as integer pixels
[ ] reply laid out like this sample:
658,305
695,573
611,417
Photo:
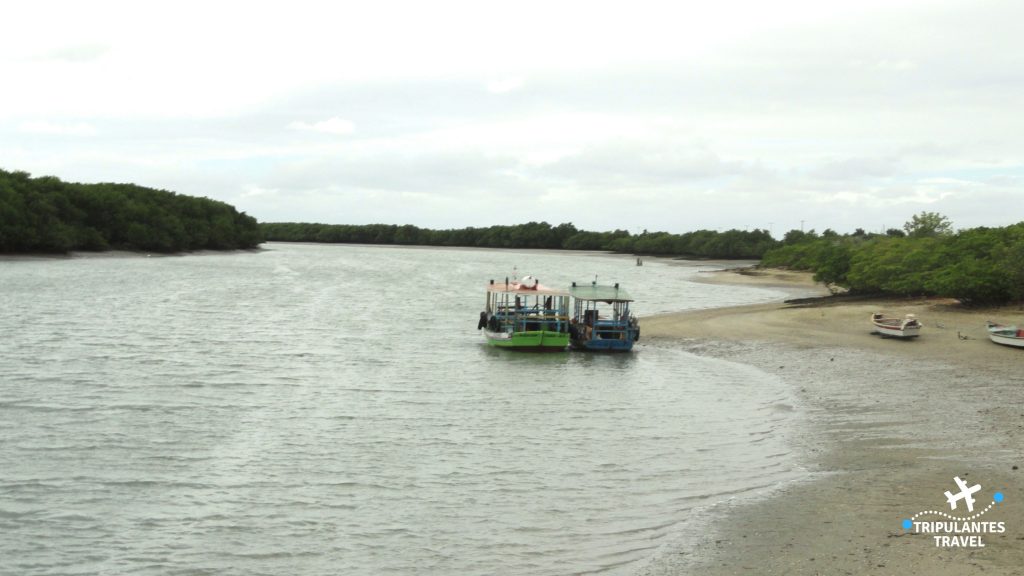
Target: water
332,410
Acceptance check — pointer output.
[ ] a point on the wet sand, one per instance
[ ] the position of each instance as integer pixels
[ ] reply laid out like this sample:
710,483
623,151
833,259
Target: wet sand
888,424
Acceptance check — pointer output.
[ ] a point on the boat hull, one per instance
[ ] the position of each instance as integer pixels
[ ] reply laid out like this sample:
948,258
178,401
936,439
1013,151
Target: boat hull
532,341
898,332
604,337
602,345
1006,340
1006,335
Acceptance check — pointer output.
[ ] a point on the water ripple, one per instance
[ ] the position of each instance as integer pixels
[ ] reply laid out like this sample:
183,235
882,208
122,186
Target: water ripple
315,410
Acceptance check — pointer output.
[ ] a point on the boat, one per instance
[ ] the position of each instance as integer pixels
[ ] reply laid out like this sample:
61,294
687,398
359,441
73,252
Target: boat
601,319
523,314
907,327
1005,335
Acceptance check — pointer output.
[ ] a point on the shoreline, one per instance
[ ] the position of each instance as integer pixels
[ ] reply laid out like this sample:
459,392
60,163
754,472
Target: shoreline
888,424
86,255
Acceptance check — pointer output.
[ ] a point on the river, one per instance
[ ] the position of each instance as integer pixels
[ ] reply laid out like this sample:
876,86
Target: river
330,409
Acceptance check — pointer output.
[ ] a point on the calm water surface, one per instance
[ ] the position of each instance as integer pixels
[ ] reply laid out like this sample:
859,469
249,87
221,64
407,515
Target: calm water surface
332,410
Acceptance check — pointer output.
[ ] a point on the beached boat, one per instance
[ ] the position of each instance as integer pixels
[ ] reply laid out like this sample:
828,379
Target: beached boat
907,327
601,319
1006,335
525,315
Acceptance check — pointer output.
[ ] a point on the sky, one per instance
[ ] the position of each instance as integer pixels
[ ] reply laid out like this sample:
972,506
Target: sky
673,116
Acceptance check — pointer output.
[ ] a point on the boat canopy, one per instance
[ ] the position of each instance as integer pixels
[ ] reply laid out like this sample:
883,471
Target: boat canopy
600,293
515,287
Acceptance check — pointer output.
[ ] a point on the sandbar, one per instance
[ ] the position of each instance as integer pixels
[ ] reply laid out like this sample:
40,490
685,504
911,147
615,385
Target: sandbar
886,425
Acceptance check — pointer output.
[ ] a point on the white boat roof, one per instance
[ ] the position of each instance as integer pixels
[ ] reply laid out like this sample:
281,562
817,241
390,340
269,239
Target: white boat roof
515,287
600,293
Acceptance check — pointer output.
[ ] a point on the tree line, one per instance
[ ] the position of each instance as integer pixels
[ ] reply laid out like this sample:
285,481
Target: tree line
732,244
45,214
927,258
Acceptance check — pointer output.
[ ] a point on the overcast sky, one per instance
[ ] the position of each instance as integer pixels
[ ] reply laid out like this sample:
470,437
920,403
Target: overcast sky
660,115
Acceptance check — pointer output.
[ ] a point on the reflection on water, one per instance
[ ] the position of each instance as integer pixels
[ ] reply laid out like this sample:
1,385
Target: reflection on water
332,409
526,357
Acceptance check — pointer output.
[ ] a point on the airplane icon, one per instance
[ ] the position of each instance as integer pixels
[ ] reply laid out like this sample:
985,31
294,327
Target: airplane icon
964,494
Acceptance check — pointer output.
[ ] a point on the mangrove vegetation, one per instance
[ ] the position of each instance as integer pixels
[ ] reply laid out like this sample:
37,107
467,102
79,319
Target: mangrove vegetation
926,258
733,244
49,215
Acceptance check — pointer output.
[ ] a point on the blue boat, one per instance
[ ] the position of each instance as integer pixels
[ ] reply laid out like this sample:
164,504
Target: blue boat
601,319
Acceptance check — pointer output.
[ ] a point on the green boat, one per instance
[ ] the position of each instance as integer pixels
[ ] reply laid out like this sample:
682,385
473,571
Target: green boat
526,315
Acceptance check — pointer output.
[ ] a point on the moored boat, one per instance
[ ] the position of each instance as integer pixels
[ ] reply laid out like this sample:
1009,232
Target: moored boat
1006,335
907,327
601,319
525,315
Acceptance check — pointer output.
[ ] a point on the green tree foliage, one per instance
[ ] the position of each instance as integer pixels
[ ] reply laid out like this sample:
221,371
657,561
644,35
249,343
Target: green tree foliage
699,244
893,265
979,265
928,224
798,237
1010,256
48,215
827,255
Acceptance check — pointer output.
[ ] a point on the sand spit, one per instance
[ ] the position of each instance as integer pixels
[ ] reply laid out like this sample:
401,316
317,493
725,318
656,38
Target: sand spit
889,423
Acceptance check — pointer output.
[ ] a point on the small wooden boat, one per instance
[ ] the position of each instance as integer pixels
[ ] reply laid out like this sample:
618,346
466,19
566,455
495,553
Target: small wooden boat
526,315
907,327
1006,335
601,320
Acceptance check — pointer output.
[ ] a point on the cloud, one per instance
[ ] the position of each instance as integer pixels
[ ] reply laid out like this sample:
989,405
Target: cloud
504,85
885,64
57,128
795,111
857,168
330,126
84,52
445,173
640,163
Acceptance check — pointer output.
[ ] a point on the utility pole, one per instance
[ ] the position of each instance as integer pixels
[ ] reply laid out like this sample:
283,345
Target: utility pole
801,225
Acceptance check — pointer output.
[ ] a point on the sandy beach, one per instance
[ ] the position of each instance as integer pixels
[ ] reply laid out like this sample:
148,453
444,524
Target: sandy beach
887,425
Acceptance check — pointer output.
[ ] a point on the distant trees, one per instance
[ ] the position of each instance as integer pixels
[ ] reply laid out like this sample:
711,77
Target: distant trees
978,265
699,244
928,224
46,214
926,257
